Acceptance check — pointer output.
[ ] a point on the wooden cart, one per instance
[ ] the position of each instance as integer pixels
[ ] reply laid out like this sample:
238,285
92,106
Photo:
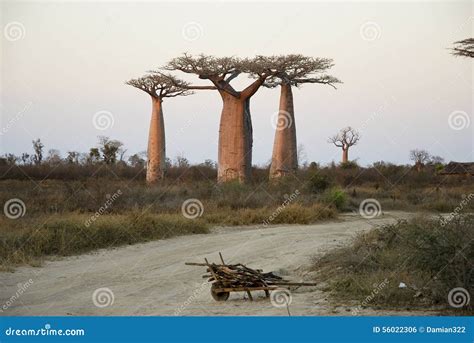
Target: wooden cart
222,287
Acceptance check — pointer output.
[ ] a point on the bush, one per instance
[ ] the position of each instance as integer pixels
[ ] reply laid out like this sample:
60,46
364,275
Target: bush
431,256
336,197
349,165
318,183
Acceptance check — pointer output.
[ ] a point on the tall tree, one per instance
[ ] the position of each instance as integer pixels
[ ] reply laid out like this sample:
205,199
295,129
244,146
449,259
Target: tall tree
292,71
235,129
346,138
158,86
464,48
38,148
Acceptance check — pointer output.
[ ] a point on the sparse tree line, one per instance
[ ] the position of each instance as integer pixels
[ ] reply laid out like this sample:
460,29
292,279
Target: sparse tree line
112,152
108,151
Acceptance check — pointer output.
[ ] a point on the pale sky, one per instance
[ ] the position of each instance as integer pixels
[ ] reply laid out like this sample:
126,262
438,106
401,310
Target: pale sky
63,62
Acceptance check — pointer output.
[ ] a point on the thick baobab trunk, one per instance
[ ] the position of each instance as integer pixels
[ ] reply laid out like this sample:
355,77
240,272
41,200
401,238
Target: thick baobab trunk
345,155
156,144
285,156
235,139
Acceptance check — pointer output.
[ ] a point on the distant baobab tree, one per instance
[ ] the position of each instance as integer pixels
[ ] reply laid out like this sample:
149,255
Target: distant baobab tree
289,71
420,157
464,48
158,86
346,138
235,129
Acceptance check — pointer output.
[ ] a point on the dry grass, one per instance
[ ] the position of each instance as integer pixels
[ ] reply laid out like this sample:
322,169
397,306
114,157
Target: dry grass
28,241
429,257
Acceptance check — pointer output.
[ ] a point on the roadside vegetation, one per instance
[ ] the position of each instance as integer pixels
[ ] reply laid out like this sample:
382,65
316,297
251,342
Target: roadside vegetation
408,265
83,202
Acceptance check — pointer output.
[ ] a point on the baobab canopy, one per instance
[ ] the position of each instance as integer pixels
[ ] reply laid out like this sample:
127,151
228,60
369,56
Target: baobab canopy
222,70
159,85
464,48
235,130
298,69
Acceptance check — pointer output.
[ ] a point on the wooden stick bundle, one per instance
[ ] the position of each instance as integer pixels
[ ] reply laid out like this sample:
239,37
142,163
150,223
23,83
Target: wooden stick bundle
238,275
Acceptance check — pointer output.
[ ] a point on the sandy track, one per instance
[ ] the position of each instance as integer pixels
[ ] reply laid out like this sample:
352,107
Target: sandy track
151,278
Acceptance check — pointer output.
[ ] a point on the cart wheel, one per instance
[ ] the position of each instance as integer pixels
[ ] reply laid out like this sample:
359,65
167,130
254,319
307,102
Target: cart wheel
219,296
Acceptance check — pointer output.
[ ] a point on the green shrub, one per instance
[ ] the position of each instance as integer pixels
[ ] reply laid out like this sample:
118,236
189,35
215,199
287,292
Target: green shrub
318,183
336,197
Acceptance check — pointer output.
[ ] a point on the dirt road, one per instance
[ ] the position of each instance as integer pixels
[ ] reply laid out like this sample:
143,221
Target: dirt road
151,278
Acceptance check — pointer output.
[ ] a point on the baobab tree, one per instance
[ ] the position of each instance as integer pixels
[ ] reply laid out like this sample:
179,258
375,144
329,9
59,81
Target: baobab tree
420,157
158,86
346,138
235,128
290,71
464,48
